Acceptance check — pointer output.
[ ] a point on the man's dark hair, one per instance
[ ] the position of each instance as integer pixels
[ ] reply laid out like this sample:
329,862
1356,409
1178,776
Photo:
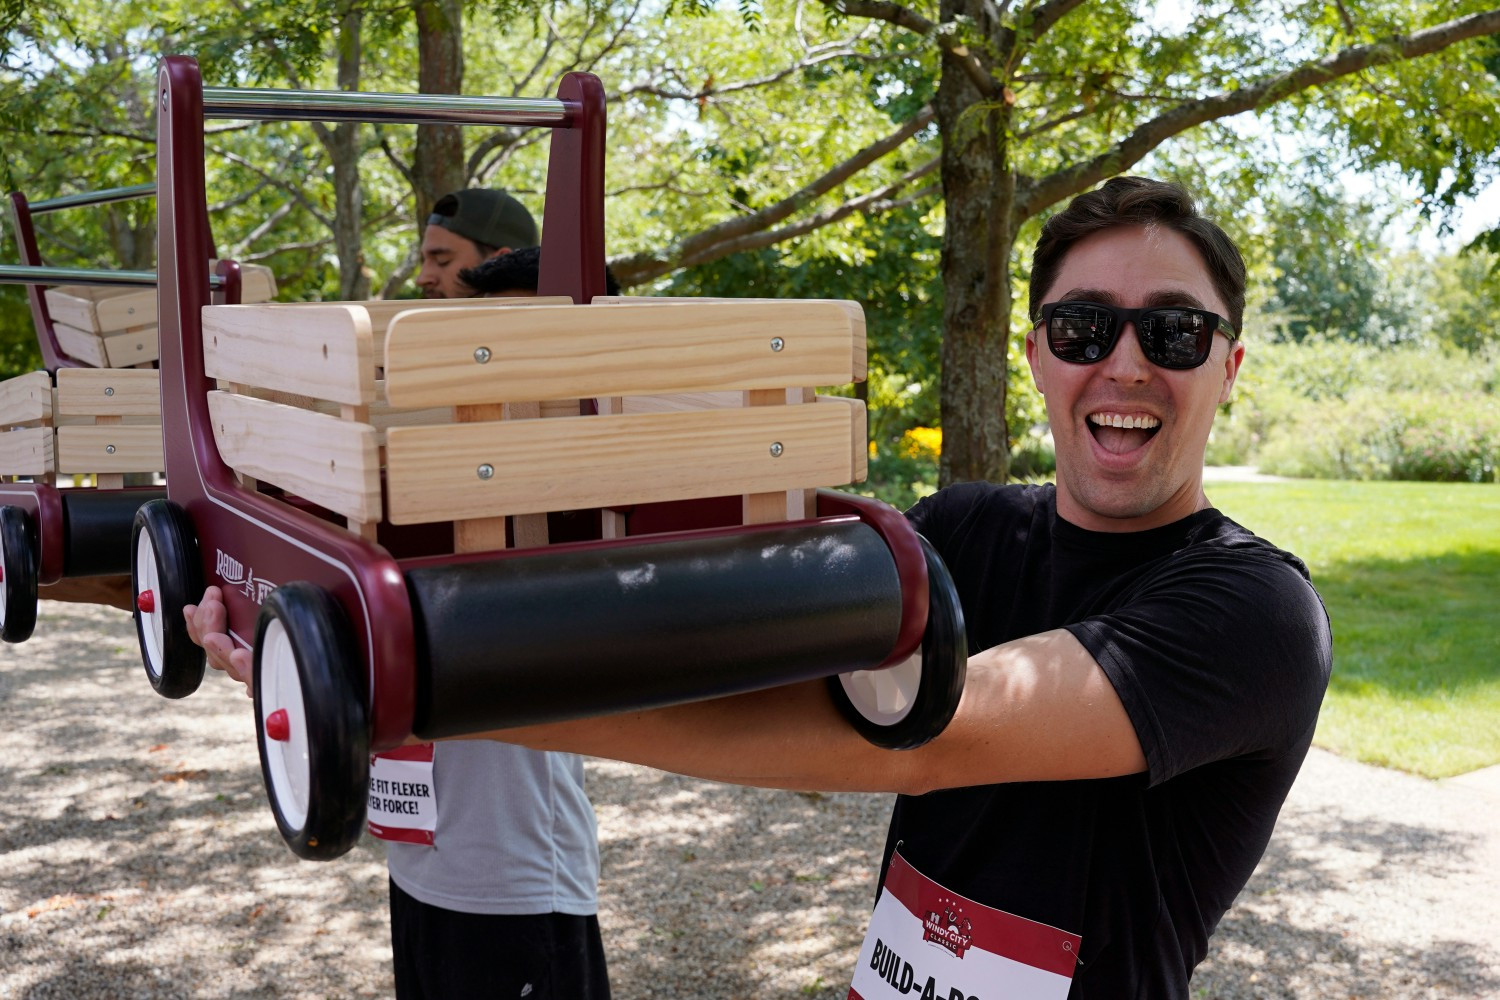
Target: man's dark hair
517,271
1139,201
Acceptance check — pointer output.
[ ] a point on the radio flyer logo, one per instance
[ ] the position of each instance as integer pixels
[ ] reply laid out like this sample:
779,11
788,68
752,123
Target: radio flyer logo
948,928
236,576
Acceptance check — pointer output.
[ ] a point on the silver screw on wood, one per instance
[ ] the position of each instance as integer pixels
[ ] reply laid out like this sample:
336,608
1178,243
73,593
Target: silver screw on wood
777,343
481,354
776,449
486,471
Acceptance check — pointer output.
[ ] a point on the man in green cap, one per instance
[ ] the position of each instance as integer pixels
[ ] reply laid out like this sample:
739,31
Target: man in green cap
465,229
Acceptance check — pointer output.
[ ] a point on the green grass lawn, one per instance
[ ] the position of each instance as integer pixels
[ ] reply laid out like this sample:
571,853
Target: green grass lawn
1410,573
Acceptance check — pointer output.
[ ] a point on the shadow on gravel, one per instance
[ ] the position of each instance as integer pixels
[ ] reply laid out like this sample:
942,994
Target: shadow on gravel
1287,936
138,857
722,892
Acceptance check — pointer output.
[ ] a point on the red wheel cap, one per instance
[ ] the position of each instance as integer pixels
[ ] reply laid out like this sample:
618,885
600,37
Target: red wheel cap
278,726
146,601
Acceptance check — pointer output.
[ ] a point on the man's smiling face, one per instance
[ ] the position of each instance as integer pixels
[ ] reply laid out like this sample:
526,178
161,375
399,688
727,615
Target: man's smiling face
1130,435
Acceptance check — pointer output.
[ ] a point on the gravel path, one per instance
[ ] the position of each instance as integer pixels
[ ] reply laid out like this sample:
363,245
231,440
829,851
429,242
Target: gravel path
138,860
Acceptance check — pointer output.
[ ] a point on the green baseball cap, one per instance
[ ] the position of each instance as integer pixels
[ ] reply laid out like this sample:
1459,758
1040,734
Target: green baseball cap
492,218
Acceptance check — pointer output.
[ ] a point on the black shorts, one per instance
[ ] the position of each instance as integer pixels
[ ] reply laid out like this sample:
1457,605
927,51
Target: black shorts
442,954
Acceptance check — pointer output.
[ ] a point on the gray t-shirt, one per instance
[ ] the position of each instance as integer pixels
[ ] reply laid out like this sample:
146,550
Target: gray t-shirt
515,834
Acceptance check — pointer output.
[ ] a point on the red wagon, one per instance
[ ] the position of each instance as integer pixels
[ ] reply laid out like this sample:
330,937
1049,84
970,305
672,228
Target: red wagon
382,490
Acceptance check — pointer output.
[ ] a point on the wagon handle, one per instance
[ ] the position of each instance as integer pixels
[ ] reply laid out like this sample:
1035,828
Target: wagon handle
26,274
265,105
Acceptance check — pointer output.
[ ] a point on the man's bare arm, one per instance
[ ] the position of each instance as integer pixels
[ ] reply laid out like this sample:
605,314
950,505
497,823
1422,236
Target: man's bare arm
1037,709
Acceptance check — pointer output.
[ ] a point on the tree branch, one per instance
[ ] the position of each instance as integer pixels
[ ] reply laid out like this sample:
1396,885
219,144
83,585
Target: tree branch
755,222
640,268
1034,195
879,10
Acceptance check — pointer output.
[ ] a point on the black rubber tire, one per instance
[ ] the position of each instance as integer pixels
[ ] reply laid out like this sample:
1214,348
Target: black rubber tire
945,659
164,560
303,622
18,563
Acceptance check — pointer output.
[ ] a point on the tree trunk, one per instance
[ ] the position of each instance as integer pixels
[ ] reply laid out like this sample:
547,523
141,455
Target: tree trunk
438,163
978,192
343,150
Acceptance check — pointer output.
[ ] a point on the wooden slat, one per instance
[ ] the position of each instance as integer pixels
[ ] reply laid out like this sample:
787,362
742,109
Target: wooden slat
382,416
763,508
135,308
382,311
854,309
82,345
257,283
598,461
109,448
316,350
673,402
116,392
333,463
26,452
26,399
860,439
585,351
133,347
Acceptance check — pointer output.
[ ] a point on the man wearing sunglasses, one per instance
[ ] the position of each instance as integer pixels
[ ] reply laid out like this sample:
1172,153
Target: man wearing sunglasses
1144,674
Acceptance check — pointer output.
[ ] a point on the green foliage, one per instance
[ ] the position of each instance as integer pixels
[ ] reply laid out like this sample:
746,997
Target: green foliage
1328,280
1328,410
1408,573
18,350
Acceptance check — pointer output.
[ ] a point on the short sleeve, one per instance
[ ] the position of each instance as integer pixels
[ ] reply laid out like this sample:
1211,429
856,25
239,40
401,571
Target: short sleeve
1223,652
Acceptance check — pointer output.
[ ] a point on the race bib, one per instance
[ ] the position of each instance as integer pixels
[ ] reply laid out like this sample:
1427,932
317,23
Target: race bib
929,943
403,800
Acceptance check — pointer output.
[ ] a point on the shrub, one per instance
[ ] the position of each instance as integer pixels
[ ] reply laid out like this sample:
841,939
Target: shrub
1349,411
1428,435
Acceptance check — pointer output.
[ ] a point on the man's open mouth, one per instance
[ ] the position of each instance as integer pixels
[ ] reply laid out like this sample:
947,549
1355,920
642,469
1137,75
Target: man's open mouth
1119,433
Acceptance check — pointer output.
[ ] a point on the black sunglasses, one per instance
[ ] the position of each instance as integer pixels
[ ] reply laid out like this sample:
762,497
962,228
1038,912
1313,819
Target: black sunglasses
1171,336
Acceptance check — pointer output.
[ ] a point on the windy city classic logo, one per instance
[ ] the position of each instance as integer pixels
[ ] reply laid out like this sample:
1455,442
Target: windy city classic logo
237,577
947,927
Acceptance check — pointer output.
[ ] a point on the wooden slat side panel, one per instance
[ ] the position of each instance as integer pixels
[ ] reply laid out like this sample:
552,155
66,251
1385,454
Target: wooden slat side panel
109,448
108,392
26,399
324,351
856,313
26,452
82,345
335,465
107,310
596,461
79,306
587,351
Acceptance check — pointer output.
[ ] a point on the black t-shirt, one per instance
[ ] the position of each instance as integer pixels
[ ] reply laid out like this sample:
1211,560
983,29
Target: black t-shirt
1219,649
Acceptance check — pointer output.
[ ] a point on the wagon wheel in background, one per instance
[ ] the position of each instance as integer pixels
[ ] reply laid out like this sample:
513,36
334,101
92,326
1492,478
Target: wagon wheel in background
18,575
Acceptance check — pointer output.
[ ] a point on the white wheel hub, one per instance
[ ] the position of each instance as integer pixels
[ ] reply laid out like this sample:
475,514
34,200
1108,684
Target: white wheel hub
885,696
286,760
148,578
